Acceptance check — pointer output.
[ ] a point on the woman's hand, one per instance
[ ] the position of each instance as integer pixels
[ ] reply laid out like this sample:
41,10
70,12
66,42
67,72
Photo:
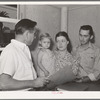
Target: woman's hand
83,79
79,80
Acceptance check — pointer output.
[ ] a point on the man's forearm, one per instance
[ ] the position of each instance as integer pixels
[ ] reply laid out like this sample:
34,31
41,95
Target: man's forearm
8,83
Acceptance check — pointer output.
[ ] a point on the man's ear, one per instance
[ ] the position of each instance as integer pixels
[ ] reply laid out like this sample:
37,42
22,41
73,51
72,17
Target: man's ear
26,35
91,37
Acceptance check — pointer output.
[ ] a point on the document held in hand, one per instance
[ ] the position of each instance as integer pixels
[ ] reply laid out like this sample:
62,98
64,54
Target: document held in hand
64,75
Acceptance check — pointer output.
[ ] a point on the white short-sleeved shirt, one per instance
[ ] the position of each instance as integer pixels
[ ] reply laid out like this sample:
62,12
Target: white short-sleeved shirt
16,61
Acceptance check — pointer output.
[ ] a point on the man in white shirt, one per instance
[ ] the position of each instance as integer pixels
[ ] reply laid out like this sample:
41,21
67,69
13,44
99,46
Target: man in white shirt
88,55
16,67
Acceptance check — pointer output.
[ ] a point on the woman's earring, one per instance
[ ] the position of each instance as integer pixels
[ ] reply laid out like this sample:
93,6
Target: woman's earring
68,42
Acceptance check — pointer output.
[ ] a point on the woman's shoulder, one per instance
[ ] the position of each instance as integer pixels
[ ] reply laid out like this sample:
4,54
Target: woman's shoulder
55,52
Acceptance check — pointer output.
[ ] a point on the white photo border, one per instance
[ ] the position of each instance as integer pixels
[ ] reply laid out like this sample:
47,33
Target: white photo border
51,94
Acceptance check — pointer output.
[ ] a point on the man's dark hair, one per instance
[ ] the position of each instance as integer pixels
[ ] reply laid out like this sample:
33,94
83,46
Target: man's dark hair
23,25
87,27
91,32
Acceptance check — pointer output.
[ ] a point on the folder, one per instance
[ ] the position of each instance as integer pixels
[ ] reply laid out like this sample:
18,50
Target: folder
62,76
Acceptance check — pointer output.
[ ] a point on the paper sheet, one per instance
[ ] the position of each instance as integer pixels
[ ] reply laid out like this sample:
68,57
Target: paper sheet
62,76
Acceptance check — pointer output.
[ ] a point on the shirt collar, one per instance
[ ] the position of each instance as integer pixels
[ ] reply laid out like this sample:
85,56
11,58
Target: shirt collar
19,44
89,46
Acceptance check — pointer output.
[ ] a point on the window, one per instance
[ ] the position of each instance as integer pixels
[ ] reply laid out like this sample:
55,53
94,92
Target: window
8,19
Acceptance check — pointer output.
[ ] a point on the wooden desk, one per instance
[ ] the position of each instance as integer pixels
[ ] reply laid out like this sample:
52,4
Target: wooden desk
93,86
73,86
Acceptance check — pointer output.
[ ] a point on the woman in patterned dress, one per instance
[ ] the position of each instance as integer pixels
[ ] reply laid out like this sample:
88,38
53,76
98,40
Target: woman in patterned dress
63,53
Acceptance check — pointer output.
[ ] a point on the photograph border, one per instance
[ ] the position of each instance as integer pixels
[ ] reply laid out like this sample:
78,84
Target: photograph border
54,94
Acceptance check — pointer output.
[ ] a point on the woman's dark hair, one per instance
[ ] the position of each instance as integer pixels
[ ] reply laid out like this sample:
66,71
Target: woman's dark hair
62,33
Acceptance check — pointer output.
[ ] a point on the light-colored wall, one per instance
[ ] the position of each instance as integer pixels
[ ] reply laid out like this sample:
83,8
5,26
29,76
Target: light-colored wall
81,16
47,18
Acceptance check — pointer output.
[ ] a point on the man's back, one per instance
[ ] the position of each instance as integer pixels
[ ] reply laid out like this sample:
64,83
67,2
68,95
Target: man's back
14,62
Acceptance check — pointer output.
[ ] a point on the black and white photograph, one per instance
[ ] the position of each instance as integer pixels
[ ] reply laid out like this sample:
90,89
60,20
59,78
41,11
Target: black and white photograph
50,47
